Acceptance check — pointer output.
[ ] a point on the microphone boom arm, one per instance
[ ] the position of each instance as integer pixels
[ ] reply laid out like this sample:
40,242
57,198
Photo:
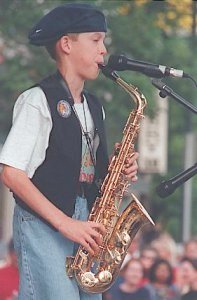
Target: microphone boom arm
167,91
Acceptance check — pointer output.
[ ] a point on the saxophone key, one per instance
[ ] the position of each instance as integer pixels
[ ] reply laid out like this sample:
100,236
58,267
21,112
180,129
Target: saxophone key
88,279
125,238
105,276
117,257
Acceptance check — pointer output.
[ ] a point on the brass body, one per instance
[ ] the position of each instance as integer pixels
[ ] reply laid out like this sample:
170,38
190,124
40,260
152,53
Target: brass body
97,273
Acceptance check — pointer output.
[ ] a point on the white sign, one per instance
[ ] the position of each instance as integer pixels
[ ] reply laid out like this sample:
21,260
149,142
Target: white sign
153,141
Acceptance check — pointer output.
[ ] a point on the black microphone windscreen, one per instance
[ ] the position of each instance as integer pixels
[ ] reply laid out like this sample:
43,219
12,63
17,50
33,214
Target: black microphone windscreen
108,72
117,62
164,189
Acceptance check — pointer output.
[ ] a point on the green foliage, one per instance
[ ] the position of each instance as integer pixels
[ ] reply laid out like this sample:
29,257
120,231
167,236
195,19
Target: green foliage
133,30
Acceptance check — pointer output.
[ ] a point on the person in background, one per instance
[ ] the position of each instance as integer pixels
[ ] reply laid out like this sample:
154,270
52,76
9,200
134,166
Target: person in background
166,247
192,293
187,278
161,284
148,256
129,288
9,276
190,249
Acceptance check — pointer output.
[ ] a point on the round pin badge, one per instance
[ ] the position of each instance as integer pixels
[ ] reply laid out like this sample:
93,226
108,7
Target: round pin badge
64,108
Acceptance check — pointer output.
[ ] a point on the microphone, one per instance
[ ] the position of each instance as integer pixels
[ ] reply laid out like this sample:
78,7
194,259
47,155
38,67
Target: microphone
166,188
122,63
108,72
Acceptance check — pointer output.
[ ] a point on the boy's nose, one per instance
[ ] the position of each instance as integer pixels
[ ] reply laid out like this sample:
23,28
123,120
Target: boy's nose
103,50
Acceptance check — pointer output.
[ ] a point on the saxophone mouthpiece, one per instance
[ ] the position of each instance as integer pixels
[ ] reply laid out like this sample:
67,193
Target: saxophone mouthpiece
108,72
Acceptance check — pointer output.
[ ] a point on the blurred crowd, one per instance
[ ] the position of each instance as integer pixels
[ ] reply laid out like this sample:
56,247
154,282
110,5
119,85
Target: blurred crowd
155,268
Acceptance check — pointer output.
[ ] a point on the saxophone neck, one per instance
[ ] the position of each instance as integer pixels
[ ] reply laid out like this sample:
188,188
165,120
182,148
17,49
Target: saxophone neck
132,90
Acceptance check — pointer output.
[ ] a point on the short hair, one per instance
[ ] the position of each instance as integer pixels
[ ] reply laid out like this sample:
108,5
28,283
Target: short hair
51,46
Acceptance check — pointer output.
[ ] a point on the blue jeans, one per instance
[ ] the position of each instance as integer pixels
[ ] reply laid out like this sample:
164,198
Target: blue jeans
41,255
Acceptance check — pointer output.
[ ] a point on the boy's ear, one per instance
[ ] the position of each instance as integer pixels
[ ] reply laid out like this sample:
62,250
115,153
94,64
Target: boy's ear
65,44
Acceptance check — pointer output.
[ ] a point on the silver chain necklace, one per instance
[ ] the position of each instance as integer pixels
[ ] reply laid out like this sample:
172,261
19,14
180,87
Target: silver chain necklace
86,133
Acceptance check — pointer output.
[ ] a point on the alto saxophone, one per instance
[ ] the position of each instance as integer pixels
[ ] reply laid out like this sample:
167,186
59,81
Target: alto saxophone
96,273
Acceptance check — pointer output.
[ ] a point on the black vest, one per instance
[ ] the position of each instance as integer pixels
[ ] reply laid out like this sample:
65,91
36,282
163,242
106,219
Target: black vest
58,176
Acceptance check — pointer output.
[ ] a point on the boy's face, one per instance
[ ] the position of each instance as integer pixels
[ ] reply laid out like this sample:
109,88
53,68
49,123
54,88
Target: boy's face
86,52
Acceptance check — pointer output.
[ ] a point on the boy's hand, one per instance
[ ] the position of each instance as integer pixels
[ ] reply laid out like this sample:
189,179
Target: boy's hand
131,166
87,234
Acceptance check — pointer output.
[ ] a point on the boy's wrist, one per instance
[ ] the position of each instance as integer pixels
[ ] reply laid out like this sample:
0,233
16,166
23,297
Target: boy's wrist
60,220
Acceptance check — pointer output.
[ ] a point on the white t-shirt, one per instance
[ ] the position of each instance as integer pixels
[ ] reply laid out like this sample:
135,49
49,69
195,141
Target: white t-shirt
27,142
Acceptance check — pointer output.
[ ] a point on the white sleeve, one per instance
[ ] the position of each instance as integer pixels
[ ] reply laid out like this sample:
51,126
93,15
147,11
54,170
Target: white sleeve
30,132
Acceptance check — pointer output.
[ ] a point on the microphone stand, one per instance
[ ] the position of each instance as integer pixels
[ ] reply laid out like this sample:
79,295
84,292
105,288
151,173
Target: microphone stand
168,187
165,91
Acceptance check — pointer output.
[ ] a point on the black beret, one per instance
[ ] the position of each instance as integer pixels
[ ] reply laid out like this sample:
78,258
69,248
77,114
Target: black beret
68,18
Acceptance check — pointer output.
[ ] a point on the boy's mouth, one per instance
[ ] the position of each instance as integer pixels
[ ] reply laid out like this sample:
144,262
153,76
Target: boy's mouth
100,64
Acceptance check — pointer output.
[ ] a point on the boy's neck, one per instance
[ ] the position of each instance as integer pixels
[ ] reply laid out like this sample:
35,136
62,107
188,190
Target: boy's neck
75,85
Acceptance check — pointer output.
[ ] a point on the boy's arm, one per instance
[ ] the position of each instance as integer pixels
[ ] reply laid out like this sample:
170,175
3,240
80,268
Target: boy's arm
84,233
